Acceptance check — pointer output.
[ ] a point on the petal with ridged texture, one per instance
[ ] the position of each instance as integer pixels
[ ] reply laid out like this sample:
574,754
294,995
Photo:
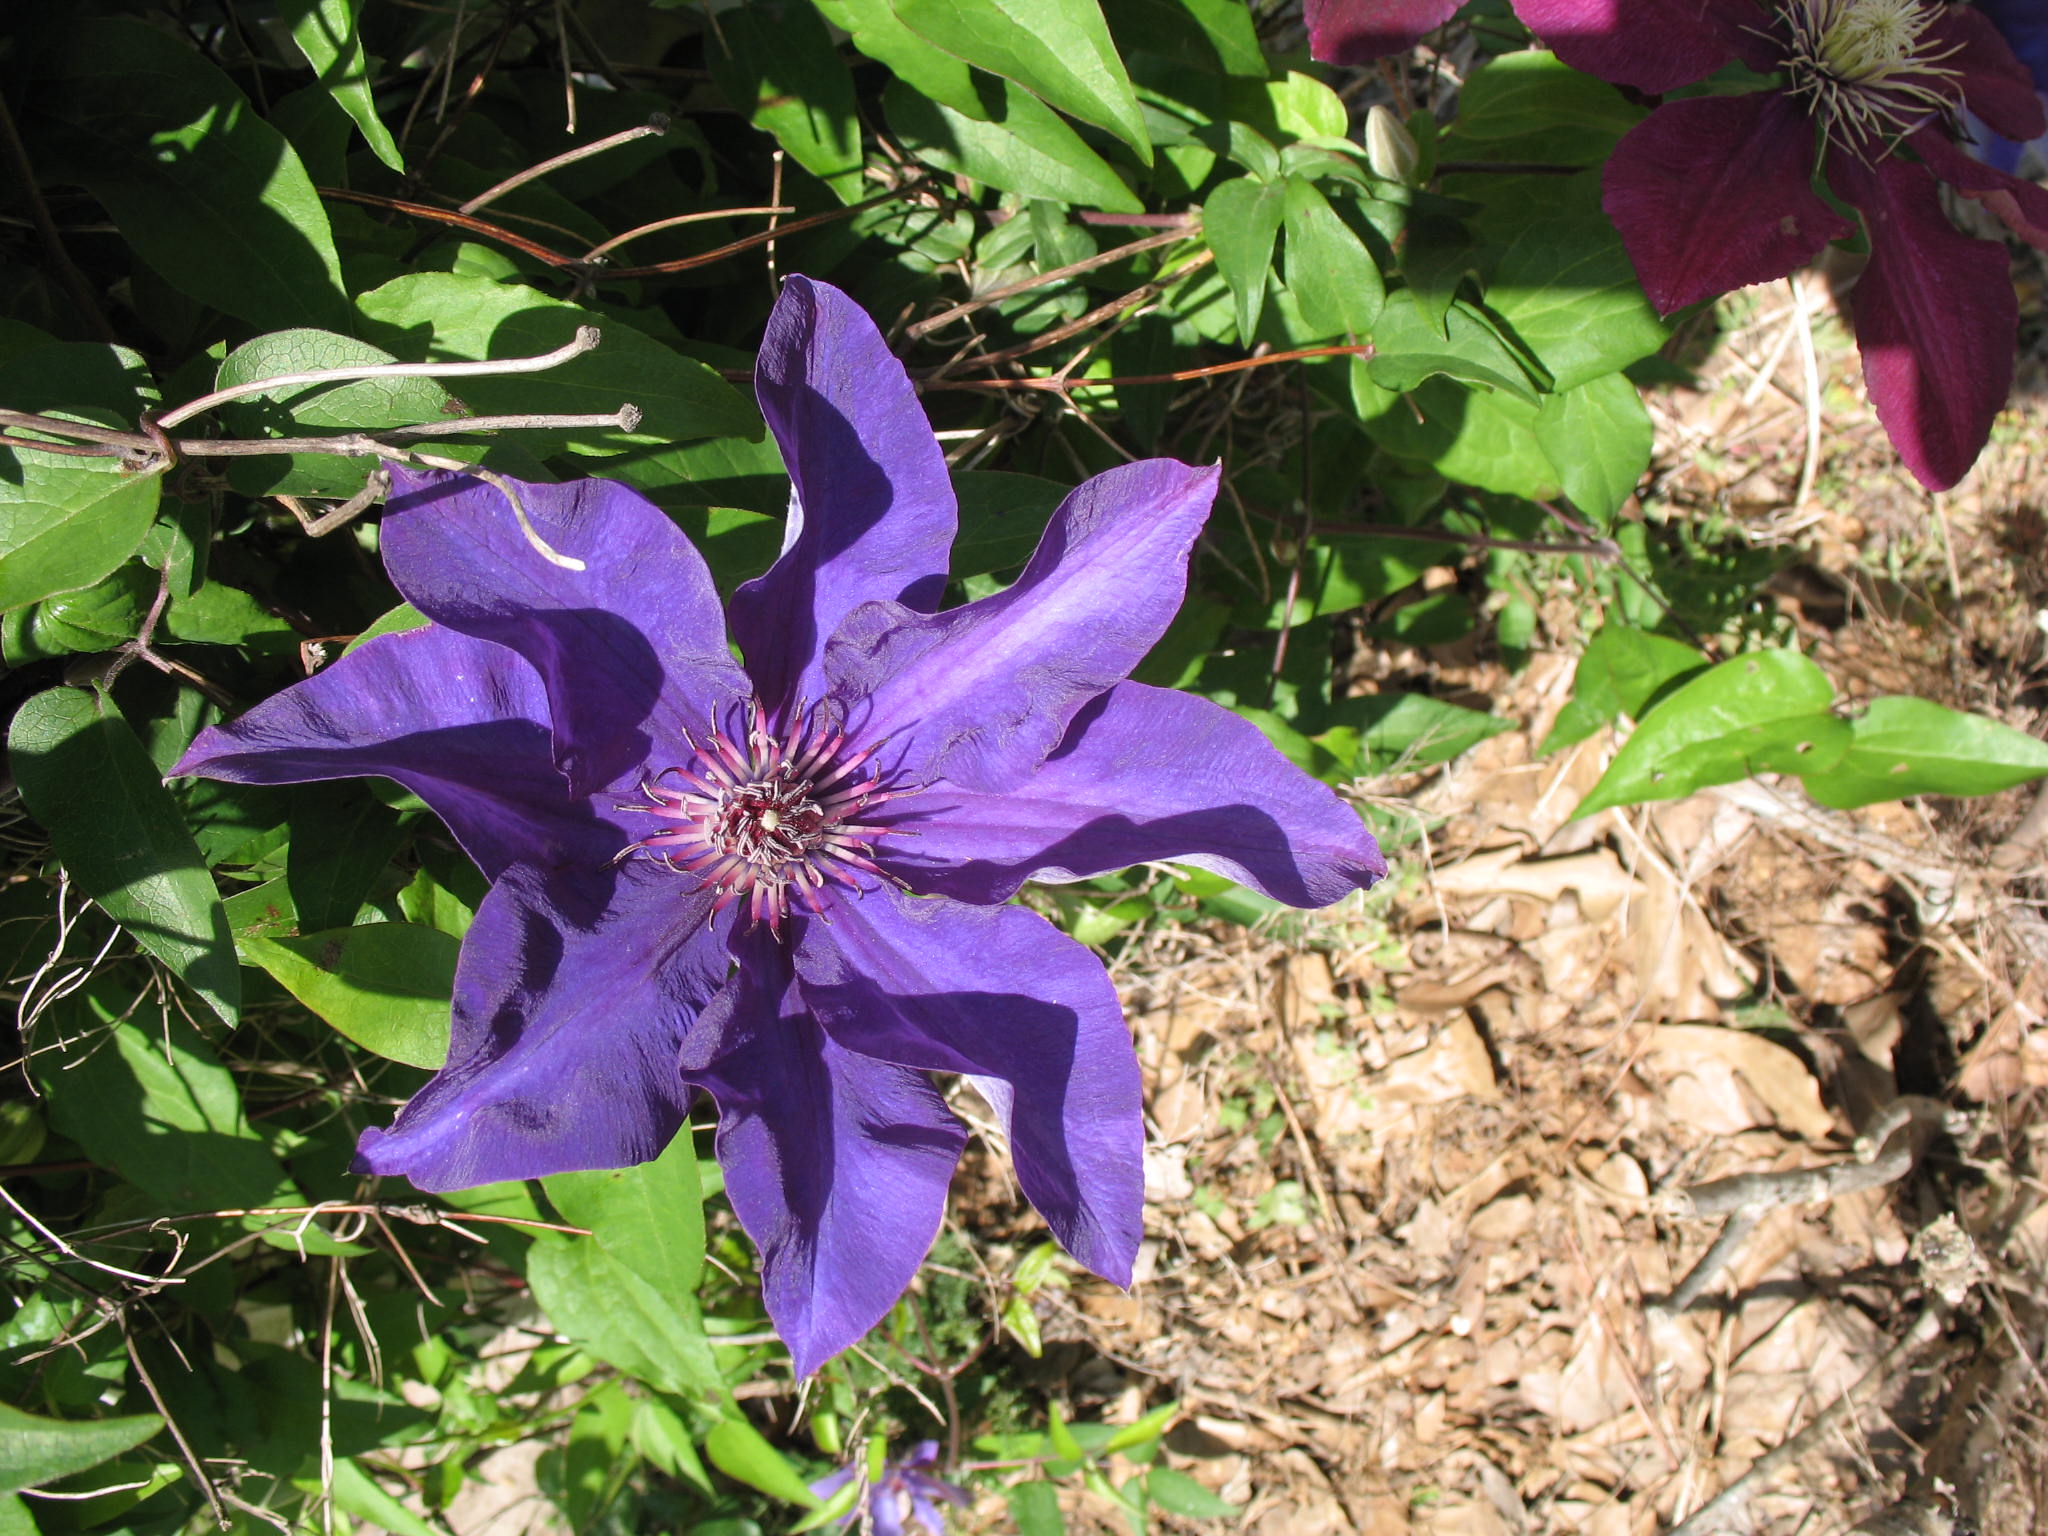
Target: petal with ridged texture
460,722
631,649
1935,318
982,693
1144,774
1715,193
1356,31
871,512
572,997
837,1165
1000,994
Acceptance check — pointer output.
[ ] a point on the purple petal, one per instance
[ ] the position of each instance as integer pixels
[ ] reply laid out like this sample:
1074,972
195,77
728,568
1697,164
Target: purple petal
871,512
836,1165
631,649
571,998
983,692
460,722
1356,31
1653,45
1935,318
826,1486
1996,85
1715,193
885,1510
1000,994
2020,204
1144,774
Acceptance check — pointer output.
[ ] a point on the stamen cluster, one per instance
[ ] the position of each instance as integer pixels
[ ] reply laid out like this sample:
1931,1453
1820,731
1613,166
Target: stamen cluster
773,820
1866,69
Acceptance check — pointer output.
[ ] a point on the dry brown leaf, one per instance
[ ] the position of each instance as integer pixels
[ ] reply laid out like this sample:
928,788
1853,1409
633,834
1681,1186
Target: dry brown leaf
1779,1079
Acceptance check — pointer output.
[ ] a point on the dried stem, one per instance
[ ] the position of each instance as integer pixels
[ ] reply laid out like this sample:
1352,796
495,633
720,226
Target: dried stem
1072,269
678,221
587,337
1182,376
657,124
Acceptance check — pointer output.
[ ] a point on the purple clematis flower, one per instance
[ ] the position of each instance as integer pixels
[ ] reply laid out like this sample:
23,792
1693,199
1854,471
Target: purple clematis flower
782,883
904,1493
1717,192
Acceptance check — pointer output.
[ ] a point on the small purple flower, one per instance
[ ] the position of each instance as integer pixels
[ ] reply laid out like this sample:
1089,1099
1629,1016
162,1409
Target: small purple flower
904,1492
783,883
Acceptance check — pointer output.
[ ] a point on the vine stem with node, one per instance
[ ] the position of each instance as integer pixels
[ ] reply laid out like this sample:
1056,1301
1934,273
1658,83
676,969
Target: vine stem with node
151,449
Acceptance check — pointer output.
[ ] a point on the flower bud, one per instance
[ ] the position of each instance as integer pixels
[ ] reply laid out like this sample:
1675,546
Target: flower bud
1390,148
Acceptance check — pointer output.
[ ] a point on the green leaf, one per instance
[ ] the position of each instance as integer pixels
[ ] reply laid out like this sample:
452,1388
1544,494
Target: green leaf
1144,1430
1469,347
737,1449
1482,439
781,71
155,1105
927,70
1412,728
1179,1494
359,1494
15,1520
1014,144
34,1451
838,1507
1035,1509
325,32
1597,435
1059,50
1240,221
1530,106
1062,1437
114,826
1333,277
1617,673
1002,516
341,841
1905,746
384,985
1568,291
1764,712
358,405
649,1217
442,315
1306,108
207,192
67,523
610,1311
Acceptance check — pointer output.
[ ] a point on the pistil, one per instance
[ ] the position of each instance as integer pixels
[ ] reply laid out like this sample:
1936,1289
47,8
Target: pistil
773,819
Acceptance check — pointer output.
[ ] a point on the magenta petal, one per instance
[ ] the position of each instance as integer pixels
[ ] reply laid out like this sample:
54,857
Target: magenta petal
631,649
1144,774
871,512
460,722
1715,193
836,1165
1000,994
572,995
1996,85
1653,45
1935,320
2022,205
1355,31
982,693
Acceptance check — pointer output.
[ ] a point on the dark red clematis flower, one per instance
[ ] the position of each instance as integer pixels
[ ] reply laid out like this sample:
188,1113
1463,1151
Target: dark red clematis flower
1714,193
1717,192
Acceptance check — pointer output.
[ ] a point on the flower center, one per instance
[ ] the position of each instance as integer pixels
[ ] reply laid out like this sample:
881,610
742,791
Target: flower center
774,819
1866,69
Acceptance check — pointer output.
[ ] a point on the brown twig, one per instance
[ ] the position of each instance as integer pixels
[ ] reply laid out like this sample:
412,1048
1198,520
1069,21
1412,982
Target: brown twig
657,124
185,1451
1180,376
1188,225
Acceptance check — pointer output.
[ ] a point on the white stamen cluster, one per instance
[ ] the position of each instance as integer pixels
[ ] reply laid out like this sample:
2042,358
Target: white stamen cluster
1866,70
770,822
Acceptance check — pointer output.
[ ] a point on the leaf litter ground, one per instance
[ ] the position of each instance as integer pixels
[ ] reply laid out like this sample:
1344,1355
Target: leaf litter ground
1406,1185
